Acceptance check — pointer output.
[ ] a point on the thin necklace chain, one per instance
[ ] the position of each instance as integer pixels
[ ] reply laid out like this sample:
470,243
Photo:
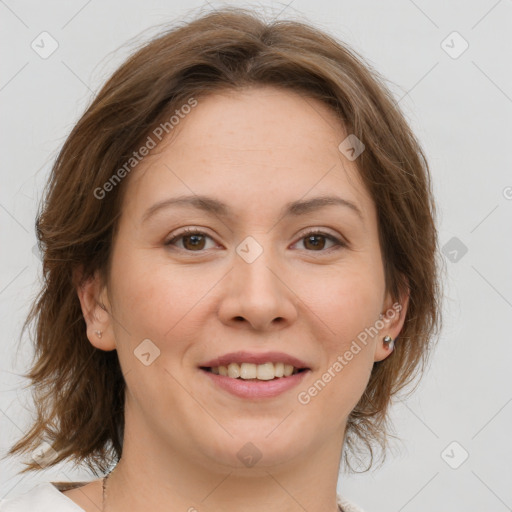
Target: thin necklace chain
104,494
104,491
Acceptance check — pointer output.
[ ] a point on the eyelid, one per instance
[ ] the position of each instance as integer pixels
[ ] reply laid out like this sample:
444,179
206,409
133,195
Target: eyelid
325,232
338,240
188,231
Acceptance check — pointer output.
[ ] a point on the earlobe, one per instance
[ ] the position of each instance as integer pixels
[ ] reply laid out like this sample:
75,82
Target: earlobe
389,342
391,324
92,294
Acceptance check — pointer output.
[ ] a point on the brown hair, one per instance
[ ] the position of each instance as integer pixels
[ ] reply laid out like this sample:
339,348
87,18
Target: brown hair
78,389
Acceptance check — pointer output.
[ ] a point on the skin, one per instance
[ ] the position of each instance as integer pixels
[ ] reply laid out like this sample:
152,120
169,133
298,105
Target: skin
256,150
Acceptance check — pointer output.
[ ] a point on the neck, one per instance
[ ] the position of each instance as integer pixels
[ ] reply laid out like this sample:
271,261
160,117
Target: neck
149,478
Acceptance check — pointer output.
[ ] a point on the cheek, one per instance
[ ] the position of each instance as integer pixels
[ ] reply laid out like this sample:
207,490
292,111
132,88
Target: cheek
156,300
347,301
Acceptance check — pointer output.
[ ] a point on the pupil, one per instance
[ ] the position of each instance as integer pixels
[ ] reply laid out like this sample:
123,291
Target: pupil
316,244
195,243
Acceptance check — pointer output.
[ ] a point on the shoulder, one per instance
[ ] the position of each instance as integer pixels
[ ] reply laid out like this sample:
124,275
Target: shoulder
44,497
47,497
348,506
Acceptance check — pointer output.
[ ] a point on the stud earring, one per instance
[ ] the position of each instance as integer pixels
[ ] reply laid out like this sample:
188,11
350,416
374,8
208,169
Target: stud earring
98,333
388,340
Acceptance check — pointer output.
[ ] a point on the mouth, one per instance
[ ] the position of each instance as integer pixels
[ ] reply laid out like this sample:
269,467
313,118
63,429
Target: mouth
254,372
254,375
252,381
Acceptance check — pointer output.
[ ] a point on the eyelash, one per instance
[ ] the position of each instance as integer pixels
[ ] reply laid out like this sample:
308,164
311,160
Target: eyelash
191,231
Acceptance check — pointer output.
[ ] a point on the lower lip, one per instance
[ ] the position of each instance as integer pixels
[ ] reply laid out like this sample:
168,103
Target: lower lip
256,388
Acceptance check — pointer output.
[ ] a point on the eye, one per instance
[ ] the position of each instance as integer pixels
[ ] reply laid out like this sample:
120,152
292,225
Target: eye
315,239
193,240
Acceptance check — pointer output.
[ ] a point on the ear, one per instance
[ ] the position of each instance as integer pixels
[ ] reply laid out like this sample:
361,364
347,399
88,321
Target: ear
391,323
93,297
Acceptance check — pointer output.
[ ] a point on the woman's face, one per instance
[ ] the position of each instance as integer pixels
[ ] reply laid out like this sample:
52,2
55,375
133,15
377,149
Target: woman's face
253,279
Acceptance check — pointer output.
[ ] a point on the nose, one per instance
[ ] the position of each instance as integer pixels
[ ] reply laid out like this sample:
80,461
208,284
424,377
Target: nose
257,294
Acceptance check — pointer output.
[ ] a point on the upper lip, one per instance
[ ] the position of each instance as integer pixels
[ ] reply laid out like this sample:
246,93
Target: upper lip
255,358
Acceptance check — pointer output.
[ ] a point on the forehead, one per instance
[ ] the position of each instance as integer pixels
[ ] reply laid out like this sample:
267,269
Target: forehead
255,148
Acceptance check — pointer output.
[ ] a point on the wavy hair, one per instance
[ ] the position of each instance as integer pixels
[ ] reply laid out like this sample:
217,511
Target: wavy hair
79,390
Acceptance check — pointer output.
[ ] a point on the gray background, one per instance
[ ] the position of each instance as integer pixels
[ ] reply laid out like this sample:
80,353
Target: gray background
460,106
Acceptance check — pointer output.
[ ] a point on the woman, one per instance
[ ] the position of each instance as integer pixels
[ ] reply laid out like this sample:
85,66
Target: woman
235,233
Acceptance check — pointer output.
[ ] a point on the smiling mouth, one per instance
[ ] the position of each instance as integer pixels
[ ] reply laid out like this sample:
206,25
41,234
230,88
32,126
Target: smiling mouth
251,371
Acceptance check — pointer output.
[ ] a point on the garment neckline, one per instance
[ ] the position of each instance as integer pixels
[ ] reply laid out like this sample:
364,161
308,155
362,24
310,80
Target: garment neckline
63,497
75,485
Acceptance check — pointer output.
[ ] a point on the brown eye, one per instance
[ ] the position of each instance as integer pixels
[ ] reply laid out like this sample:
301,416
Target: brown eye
316,240
192,240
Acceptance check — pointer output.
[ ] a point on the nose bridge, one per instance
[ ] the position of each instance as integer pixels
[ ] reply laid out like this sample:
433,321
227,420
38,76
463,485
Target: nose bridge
254,262
257,292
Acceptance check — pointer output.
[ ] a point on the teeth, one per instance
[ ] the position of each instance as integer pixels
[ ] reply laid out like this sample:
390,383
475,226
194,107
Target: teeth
279,369
266,371
234,370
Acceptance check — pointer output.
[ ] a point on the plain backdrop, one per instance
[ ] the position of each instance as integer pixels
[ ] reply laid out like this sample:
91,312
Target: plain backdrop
448,65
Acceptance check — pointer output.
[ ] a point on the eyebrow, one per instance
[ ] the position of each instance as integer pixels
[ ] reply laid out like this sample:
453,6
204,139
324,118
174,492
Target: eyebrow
212,205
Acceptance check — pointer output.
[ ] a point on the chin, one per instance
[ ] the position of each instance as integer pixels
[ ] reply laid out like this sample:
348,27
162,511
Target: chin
258,450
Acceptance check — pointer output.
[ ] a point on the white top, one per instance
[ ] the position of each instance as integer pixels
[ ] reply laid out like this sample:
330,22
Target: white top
45,497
